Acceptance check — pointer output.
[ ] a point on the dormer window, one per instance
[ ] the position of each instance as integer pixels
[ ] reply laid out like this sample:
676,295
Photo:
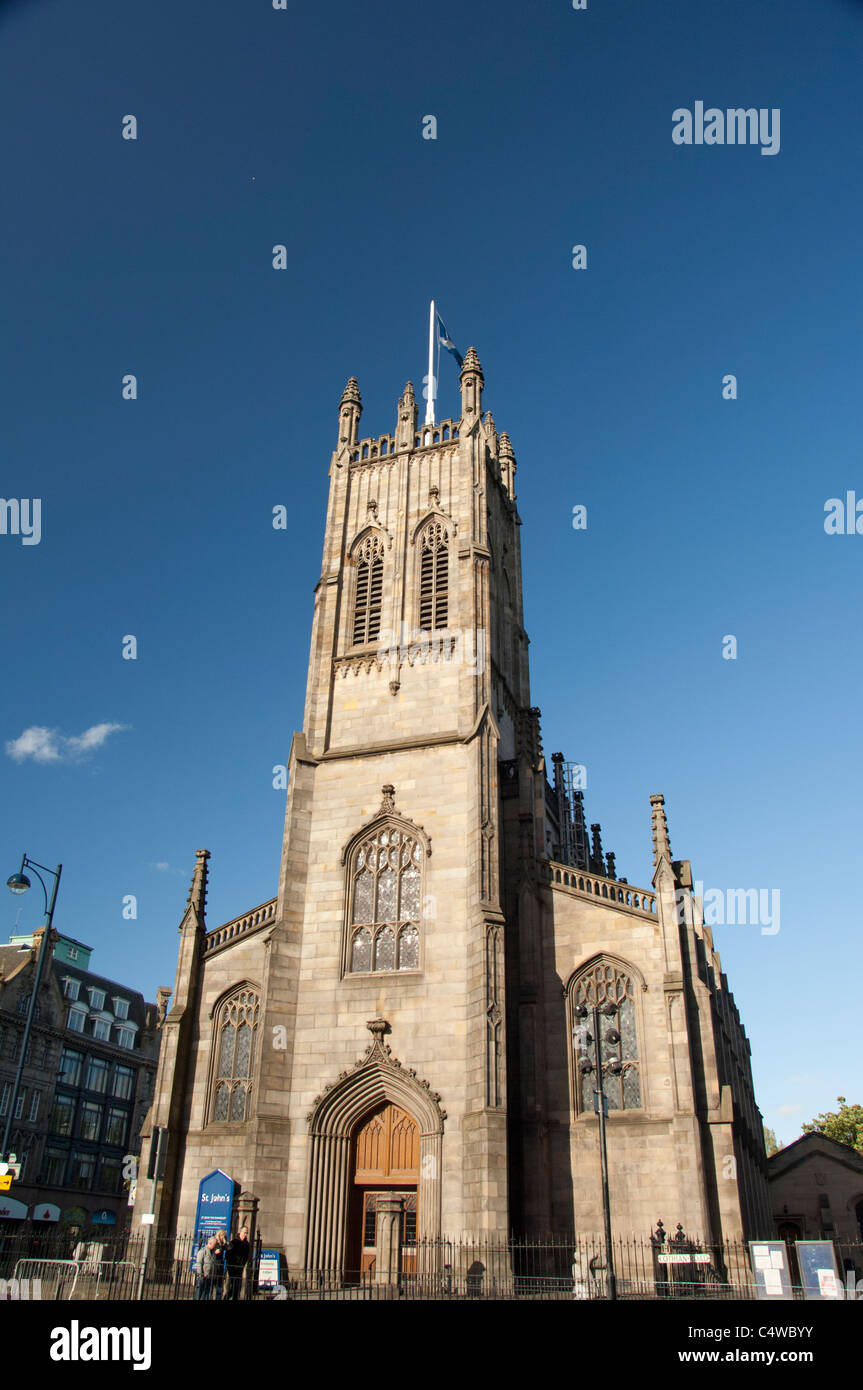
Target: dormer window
71,988
121,1007
97,998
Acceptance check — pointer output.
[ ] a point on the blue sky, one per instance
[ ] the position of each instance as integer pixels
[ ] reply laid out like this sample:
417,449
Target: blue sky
705,516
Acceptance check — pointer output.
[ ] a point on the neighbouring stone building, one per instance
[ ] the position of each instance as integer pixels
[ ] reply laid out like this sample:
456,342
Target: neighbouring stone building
86,1086
816,1190
439,892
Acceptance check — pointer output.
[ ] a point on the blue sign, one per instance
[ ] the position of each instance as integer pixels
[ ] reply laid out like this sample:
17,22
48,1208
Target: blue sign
104,1218
216,1193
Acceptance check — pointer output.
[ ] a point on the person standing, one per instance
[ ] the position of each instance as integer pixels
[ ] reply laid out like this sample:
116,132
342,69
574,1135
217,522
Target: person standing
236,1258
221,1248
206,1266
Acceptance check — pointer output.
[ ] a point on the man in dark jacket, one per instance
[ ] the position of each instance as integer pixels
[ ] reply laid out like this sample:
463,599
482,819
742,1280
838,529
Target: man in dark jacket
236,1259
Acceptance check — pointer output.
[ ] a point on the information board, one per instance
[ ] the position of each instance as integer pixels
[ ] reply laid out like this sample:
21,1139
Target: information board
770,1267
818,1271
268,1270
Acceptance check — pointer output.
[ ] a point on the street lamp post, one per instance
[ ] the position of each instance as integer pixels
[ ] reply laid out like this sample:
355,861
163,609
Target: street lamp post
19,883
583,1039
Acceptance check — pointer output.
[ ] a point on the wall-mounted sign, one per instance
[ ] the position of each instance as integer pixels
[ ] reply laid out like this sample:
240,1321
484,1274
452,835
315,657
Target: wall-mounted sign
46,1212
104,1218
12,1211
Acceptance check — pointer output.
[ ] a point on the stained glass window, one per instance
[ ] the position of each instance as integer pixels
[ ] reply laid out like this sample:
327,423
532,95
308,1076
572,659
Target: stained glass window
237,1025
602,983
386,899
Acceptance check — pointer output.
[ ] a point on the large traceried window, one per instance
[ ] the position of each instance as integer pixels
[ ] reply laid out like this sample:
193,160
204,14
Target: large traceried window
385,902
369,560
602,982
434,576
236,1028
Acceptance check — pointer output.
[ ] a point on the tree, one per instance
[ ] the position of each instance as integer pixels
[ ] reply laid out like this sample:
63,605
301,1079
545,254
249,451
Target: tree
771,1144
845,1125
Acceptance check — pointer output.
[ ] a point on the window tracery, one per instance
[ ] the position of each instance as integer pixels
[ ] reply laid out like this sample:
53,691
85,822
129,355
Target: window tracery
236,1032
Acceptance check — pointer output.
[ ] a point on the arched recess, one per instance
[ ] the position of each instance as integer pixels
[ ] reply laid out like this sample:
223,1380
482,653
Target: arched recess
377,1078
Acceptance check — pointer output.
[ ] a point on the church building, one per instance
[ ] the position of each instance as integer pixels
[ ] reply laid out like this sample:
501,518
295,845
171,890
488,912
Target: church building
400,1020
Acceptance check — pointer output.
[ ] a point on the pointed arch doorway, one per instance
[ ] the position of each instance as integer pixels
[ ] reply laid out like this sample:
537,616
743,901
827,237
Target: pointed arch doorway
335,1119
385,1161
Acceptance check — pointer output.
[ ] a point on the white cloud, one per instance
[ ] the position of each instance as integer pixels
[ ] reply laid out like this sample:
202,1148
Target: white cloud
50,746
36,743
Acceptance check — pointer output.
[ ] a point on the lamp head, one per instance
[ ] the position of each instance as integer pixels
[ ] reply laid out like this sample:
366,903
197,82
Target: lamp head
18,883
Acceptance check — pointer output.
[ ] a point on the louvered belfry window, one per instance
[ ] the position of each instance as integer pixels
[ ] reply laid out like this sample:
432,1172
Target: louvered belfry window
370,581
434,576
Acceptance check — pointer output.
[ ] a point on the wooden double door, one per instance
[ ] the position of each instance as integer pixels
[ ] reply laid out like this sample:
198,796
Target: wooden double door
385,1155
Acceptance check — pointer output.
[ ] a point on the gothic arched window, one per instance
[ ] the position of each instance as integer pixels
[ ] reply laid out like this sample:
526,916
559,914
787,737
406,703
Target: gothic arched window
384,902
369,560
434,576
236,1028
599,983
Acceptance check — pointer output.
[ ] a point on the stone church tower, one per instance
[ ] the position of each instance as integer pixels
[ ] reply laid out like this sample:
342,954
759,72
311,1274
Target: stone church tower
399,1020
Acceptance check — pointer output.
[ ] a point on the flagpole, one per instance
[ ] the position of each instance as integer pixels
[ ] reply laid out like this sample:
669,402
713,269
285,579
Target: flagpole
429,420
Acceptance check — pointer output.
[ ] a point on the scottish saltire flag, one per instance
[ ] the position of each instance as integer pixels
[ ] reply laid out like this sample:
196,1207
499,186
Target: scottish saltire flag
446,341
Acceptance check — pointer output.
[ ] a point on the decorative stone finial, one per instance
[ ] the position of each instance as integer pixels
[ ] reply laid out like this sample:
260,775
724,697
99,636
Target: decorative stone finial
434,495
661,845
406,420
163,994
471,364
197,898
388,805
378,1027
597,860
506,458
351,394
